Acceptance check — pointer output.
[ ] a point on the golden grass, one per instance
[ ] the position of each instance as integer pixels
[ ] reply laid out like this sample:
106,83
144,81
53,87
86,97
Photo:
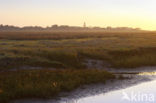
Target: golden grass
70,48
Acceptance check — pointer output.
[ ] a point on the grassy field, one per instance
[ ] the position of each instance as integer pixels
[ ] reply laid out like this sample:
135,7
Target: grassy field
46,83
68,50
64,50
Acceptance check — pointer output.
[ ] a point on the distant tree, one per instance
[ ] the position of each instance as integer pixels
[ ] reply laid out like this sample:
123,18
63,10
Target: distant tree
54,26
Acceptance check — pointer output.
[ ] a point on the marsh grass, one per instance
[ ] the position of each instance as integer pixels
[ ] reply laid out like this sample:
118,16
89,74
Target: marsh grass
64,50
69,49
46,83
74,59
133,58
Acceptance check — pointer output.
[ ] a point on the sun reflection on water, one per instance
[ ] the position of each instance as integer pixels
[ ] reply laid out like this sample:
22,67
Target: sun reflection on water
147,73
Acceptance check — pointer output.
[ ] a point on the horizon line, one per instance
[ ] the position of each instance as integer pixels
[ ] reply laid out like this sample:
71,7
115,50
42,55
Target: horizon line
71,26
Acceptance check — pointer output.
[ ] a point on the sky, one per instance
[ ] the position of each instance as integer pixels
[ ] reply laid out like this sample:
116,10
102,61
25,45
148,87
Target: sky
103,13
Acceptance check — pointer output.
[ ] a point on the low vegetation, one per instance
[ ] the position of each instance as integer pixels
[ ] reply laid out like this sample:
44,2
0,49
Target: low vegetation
46,83
70,35
60,51
69,49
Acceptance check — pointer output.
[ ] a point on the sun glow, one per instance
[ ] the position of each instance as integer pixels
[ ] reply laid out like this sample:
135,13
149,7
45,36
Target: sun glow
115,13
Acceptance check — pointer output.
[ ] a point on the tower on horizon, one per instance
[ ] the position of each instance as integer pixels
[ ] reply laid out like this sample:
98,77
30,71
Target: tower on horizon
84,25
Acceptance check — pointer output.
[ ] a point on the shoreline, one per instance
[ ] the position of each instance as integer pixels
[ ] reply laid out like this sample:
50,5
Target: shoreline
91,90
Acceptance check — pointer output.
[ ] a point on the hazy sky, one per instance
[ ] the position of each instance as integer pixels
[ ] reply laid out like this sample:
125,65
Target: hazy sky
130,13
